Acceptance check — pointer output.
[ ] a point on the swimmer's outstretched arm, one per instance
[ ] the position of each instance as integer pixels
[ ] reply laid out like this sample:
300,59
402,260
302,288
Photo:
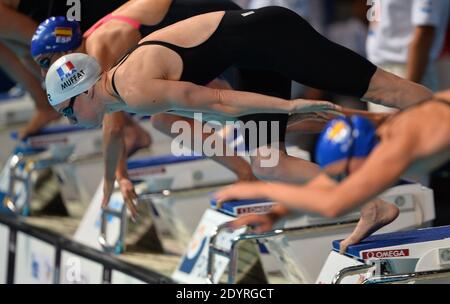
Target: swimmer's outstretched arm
327,198
382,169
164,95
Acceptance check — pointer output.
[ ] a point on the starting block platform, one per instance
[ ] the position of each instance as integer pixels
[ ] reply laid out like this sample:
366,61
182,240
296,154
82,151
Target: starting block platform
205,260
291,244
176,190
417,256
16,107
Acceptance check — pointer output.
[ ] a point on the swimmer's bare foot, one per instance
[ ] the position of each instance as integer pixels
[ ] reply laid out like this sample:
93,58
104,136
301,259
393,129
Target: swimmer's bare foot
374,216
309,122
136,138
40,119
390,90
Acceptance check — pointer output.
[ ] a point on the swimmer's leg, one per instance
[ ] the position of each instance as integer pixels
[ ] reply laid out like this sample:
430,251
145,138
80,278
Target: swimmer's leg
22,51
164,122
16,26
19,29
267,149
286,169
374,216
136,137
313,60
390,90
18,72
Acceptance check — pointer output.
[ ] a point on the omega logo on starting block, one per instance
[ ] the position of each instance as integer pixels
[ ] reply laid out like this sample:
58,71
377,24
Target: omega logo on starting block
385,254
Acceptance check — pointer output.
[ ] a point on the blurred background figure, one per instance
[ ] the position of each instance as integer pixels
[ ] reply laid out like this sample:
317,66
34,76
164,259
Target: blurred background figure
301,7
350,26
444,63
406,38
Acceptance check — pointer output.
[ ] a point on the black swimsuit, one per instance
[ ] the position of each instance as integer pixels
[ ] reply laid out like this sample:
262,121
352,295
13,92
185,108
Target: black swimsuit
183,9
262,40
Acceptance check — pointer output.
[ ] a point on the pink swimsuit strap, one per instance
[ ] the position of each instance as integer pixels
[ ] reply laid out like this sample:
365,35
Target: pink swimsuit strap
135,24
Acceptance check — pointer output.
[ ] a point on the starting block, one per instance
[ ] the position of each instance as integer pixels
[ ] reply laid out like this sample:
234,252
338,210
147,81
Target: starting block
176,189
71,152
85,142
419,256
55,148
206,259
288,242
16,107
416,205
16,178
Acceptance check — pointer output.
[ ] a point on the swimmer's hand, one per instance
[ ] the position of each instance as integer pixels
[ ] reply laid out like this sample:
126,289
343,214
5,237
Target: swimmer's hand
260,223
127,189
129,196
240,191
308,106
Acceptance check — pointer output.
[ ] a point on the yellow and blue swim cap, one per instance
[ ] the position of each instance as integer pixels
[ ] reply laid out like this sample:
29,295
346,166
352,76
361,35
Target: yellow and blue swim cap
345,138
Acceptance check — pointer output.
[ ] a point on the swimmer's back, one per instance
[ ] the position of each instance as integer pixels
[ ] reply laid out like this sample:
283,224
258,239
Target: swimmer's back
428,123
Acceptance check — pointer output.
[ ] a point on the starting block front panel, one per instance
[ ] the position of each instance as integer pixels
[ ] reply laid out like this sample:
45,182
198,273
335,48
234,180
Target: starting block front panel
4,246
16,110
193,266
182,215
35,261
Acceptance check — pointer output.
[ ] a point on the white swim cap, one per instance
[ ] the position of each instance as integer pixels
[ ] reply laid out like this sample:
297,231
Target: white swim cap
71,75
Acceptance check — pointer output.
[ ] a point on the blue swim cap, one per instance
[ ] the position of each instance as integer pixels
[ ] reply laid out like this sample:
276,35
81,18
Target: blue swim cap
345,138
56,34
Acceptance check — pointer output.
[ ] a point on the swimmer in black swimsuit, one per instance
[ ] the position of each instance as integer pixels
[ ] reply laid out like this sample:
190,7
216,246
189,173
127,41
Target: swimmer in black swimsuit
161,76
415,140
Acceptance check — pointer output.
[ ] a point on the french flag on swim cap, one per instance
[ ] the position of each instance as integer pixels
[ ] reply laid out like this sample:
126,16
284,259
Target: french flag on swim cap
65,70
